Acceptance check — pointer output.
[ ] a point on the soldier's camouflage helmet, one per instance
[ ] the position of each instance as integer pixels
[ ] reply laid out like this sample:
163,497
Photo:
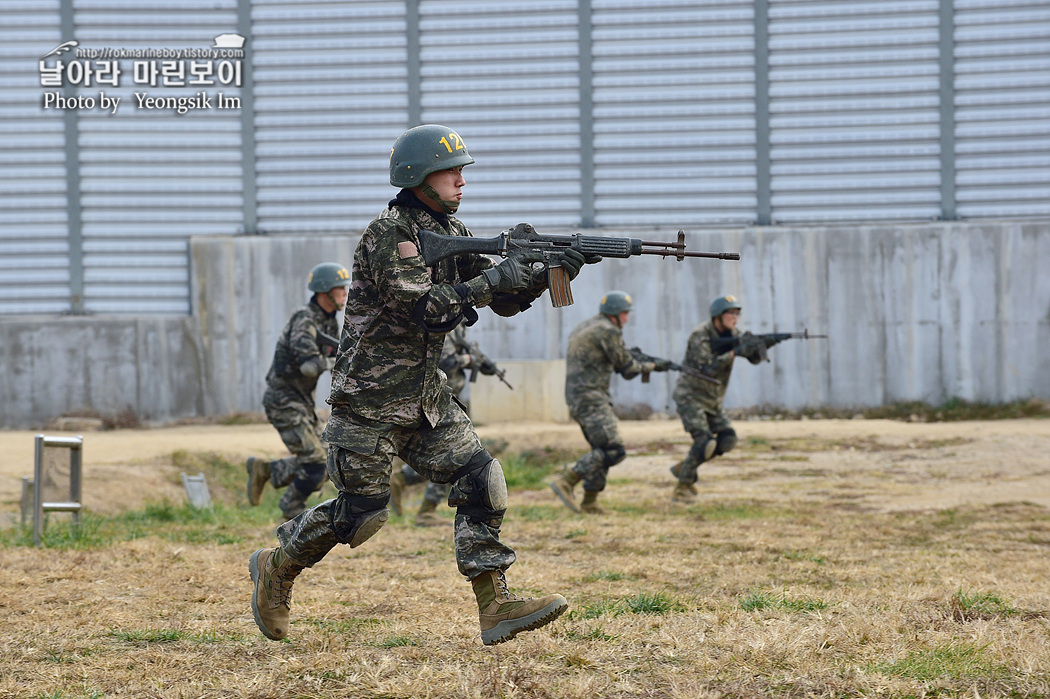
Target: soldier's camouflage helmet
425,149
615,302
722,304
326,276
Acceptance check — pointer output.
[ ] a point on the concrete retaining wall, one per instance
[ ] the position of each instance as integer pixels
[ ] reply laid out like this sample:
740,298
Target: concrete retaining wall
915,312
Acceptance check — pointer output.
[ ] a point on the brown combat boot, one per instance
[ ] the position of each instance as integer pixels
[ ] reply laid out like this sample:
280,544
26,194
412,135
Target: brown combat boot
272,574
397,490
427,515
258,477
503,615
590,503
684,492
562,485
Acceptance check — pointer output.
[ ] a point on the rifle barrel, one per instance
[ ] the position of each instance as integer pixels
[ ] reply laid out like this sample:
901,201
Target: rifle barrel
682,253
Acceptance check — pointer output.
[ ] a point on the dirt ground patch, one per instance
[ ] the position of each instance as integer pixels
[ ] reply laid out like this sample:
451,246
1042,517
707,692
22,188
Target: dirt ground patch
896,465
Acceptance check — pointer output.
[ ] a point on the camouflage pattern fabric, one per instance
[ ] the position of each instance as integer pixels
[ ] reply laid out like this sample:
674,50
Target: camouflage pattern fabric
290,407
599,425
359,460
388,397
297,344
699,394
386,370
596,349
454,361
699,403
300,429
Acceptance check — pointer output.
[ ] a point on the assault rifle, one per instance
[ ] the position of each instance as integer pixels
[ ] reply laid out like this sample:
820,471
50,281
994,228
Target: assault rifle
436,247
478,360
328,345
748,342
640,356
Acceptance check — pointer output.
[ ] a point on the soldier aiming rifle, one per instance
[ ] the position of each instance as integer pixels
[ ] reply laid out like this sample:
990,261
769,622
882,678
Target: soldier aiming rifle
711,350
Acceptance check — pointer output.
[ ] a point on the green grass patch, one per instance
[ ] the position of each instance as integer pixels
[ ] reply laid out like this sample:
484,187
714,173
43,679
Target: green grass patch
641,603
958,661
969,605
759,599
804,556
349,625
397,642
610,575
143,636
537,513
530,469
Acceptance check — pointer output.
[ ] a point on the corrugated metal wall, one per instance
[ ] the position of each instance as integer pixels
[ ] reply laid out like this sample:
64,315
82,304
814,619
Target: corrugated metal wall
1002,108
331,95
34,247
674,107
608,113
149,178
504,76
854,110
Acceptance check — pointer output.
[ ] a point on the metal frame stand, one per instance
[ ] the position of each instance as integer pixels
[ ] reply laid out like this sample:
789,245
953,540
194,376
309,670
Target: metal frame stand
75,446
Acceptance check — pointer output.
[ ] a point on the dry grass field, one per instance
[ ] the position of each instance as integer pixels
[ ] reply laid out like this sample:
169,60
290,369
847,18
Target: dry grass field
824,558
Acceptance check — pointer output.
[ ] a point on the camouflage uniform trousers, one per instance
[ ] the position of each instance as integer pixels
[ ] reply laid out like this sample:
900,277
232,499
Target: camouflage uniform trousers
304,471
703,426
599,425
436,452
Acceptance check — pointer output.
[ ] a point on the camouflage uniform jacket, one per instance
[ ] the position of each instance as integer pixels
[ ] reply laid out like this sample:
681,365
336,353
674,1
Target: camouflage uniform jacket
398,311
596,349
699,355
297,344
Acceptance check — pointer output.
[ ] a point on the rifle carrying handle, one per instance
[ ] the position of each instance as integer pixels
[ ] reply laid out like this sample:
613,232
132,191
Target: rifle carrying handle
558,284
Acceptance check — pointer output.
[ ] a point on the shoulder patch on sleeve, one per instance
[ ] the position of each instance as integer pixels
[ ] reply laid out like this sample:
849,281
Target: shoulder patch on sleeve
406,249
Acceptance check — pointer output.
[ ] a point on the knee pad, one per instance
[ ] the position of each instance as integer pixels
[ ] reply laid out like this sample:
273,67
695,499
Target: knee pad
702,449
614,454
310,479
726,441
355,519
481,495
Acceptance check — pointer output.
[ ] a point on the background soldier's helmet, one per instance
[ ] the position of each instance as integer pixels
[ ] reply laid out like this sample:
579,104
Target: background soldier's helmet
326,276
722,304
615,302
425,149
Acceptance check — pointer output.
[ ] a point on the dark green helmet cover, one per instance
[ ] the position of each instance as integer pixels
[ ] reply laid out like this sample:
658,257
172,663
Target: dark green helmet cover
326,276
722,304
615,302
425,149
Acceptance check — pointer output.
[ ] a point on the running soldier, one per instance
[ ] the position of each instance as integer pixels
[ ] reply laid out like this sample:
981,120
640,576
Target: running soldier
303,353
700,402
389,399
596,349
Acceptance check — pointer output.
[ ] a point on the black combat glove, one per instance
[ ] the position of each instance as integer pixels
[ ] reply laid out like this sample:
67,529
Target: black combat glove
514,273
487,367
662,365
572,262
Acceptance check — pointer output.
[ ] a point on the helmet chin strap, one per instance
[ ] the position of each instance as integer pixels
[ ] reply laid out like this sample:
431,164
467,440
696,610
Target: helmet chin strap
447,206
338,306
